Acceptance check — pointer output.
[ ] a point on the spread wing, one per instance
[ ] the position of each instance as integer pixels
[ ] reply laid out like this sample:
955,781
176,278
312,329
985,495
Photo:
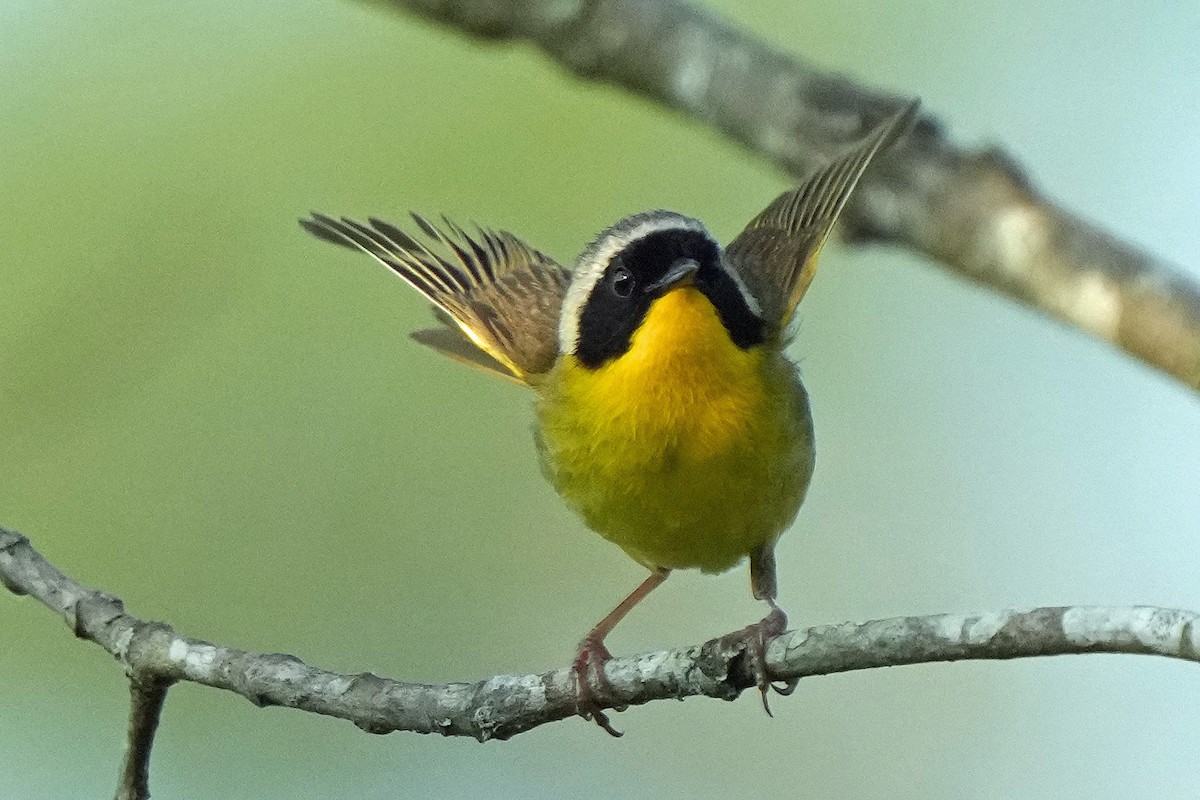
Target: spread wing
499,297
776,255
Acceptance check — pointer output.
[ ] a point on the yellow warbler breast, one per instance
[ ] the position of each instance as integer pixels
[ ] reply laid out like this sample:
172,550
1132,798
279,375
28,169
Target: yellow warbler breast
685,450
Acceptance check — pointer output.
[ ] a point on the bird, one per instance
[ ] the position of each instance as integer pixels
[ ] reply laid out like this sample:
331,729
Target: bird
667,412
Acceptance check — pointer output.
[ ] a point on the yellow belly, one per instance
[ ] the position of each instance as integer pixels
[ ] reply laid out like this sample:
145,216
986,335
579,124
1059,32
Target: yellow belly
686,451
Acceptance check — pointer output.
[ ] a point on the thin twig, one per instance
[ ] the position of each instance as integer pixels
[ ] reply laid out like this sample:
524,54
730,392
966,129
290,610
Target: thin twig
146,699
973,211
505,705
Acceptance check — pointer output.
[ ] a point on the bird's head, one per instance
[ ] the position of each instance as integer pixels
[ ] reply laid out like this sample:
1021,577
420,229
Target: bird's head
645,266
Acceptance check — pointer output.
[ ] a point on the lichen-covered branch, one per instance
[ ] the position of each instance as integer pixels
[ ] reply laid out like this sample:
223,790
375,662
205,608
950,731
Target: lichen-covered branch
155,655
973,211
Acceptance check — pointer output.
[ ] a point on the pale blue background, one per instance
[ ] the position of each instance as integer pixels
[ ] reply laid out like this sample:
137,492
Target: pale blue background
220,419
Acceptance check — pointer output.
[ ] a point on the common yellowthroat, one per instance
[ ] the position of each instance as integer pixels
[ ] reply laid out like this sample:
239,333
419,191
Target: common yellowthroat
668,415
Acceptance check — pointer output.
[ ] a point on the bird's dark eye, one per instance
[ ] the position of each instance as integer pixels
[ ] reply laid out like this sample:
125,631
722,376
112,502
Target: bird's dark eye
622,282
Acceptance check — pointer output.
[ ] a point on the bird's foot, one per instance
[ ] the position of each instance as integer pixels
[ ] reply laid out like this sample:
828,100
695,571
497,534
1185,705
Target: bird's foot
753,639
590,682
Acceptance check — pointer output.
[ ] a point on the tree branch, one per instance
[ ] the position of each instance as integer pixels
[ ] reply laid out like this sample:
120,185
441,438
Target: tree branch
973,211
504,705
146,699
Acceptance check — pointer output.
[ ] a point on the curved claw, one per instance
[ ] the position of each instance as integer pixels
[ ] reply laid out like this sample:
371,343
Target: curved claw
755,638
591,681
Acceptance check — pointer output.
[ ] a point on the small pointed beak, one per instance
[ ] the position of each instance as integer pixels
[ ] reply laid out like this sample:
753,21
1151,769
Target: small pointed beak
681,273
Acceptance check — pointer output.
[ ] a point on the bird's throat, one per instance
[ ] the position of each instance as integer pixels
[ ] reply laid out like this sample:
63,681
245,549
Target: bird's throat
682,380
682,340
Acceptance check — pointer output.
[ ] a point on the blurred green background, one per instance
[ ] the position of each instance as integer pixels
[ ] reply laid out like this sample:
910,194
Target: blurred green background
221,419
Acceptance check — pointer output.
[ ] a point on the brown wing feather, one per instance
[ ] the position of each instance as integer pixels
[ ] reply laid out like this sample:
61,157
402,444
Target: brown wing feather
776,254
451,343
503,296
